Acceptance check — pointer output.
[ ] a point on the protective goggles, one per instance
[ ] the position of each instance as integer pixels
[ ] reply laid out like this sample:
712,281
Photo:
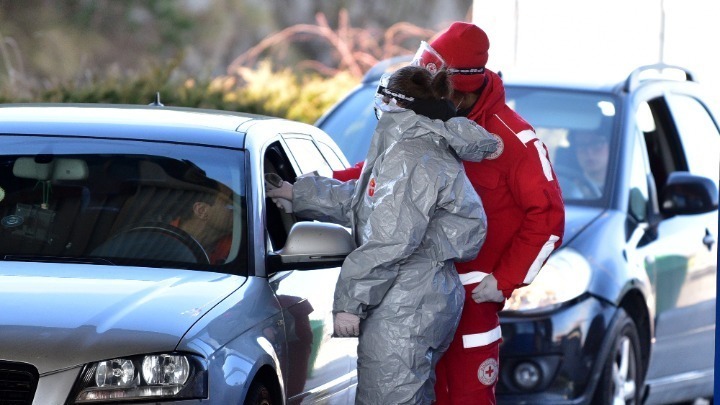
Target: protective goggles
431,60
382,90
386,99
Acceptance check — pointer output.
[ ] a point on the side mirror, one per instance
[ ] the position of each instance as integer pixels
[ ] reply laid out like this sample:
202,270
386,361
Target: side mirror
312,245
687,194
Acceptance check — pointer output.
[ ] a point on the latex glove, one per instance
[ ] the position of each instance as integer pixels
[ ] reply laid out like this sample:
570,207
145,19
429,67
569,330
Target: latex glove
487,291
282,196
284,191
346,324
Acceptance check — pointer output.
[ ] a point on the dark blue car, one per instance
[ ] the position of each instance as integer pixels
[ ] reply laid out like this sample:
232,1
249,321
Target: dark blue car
624,311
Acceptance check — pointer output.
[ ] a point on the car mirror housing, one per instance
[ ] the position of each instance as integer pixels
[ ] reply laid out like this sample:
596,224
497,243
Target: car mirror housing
312,245
687,194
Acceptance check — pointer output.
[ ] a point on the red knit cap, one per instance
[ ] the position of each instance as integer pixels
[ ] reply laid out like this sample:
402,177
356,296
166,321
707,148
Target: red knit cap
464,45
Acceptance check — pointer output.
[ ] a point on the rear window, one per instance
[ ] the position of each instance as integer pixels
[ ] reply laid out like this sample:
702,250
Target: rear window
121,203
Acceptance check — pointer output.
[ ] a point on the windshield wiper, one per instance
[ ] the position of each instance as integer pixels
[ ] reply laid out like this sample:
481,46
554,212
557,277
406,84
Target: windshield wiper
57,259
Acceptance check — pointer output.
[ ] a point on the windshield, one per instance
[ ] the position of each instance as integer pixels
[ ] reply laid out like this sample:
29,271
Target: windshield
111,202
577,129
575,126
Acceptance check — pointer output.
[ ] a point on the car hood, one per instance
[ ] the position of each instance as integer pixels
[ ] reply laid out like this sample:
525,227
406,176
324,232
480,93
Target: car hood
56,316
578,218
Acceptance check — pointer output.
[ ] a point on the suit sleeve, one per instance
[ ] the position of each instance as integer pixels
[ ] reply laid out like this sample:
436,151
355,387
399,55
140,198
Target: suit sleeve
323,199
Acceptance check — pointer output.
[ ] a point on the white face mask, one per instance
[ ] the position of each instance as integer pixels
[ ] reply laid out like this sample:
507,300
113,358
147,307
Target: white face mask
382,93
381,106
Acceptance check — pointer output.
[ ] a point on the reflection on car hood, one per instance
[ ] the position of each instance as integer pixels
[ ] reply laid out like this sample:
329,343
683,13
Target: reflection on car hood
578,218
60,315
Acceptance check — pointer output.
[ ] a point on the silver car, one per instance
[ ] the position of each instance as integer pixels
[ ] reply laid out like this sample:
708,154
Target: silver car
140,260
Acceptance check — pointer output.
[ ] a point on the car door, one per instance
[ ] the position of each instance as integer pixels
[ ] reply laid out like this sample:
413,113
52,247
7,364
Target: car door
319,367
681,259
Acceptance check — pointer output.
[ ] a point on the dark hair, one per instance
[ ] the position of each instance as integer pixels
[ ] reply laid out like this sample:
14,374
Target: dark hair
430,93
418,82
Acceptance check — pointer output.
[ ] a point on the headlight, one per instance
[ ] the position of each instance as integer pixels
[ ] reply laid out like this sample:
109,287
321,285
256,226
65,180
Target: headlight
564,276
150,377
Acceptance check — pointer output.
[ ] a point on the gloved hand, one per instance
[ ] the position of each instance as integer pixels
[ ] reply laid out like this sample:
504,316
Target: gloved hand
284,191
282,196
346,324
487,291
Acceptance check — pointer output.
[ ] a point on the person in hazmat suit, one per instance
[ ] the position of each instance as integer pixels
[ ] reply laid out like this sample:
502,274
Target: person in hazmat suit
413,213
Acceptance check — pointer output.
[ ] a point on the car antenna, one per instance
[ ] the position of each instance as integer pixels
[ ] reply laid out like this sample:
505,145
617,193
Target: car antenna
157,102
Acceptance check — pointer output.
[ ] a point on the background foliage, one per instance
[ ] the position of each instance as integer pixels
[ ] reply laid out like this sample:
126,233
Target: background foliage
291,58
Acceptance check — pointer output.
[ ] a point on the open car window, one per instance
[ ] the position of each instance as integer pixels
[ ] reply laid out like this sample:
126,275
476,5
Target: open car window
132,203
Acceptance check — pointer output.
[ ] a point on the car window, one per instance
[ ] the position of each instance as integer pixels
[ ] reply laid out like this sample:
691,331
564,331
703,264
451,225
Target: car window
352,123
308,156
277,222
664,148
577,128
639,189
331,157
699,135
138,203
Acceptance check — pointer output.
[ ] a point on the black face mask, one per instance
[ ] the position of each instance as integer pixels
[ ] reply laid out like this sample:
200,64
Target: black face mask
434,109
464,112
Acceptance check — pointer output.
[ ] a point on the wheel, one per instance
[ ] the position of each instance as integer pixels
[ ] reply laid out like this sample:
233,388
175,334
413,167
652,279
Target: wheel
153,241
259,394
622,375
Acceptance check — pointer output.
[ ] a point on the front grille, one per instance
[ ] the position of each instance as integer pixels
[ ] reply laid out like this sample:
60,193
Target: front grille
18,382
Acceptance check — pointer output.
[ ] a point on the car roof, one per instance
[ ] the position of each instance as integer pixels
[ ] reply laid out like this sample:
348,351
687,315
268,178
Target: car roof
171,124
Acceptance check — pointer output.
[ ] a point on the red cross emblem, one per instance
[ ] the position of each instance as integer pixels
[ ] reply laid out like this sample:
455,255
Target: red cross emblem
488,371
371,187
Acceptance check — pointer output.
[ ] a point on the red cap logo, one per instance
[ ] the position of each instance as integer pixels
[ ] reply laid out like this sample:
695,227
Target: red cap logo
371,187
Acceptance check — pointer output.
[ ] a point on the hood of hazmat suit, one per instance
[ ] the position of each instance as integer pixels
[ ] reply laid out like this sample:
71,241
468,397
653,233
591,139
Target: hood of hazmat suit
413,213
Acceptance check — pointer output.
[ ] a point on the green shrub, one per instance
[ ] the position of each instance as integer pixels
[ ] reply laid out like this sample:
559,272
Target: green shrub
260,91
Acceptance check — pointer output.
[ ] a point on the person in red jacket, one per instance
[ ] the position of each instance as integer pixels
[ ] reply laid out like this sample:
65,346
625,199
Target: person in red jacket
524,206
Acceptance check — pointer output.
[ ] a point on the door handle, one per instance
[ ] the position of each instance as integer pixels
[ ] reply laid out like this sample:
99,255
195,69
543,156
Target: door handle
708,240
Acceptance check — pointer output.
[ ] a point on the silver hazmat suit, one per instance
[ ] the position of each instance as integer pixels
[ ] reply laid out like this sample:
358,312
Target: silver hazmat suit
413,213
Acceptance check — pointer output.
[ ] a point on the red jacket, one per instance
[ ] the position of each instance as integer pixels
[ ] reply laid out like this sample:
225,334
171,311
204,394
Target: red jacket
520,193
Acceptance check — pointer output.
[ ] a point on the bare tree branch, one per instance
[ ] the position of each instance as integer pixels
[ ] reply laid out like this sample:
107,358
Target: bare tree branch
357,49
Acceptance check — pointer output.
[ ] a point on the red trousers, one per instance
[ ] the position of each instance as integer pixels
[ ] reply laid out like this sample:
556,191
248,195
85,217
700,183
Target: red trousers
467,376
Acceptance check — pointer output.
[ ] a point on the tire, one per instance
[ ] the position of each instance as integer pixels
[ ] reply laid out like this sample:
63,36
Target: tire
259,394
621,381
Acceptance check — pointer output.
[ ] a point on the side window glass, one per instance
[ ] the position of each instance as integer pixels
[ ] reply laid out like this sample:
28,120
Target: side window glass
699,135
639,190
664,148
308,156
332,158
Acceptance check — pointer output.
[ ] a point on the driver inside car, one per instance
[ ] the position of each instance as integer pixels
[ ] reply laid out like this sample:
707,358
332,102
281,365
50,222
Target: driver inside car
591,150
208,219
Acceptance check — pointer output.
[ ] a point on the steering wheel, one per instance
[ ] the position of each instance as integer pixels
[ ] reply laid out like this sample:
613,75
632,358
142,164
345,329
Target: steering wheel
575,185
154,241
